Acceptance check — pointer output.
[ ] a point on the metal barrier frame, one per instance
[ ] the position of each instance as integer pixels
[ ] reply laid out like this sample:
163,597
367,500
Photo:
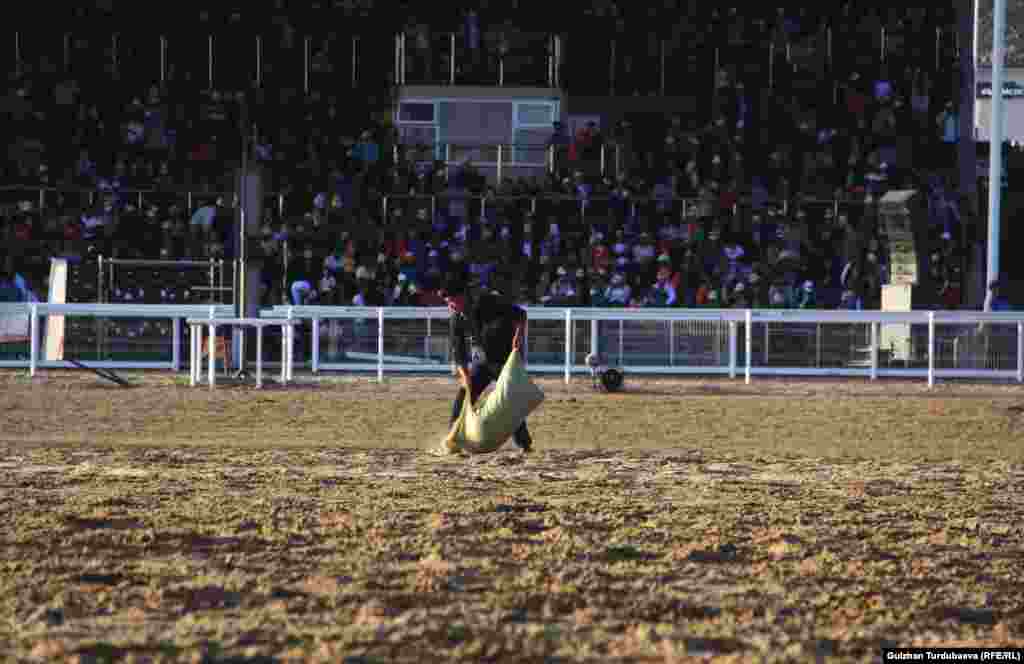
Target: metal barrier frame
732,317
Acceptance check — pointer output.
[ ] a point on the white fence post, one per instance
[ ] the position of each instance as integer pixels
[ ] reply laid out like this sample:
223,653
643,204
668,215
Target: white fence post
316,344
671,343
1020,352
33,350
622,331
287,339
380,344
195,353
259,356
750,337
211,347
568,346
176,345
732,349
817,346
931,349
874,351
426,341
595,338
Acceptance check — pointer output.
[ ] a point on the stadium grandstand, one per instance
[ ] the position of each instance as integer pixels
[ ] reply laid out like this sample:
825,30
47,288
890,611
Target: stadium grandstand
686,155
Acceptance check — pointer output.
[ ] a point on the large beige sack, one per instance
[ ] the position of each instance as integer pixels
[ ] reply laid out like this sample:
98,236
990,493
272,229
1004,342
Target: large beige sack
491,422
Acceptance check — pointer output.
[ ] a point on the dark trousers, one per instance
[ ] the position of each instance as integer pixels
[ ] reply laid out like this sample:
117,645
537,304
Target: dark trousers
480,376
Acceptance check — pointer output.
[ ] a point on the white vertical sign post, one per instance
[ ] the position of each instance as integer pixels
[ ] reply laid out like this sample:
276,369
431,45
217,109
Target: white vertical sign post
995,160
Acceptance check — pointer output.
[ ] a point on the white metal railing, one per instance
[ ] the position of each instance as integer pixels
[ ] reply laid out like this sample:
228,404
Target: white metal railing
174,313
737,355
731,318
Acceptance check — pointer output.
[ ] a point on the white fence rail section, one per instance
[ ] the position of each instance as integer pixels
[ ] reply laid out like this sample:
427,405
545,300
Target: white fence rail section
174,313
913,339
760,342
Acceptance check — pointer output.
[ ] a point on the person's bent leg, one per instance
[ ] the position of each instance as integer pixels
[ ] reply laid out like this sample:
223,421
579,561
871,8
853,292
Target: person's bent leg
457,406
522,438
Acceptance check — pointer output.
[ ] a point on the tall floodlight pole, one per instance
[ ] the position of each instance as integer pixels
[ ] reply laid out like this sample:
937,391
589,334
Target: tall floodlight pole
995,160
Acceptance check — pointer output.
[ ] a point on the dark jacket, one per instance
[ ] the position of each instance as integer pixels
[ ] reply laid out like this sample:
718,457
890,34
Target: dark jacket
490,322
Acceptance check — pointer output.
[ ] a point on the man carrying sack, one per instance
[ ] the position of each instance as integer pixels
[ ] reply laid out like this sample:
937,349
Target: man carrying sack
486,335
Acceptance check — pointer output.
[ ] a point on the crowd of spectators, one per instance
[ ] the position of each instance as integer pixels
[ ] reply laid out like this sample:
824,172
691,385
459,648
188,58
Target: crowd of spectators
781,182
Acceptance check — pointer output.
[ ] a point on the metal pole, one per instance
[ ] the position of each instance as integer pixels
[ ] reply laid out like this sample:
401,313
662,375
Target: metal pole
568,346
163,59
284,353
611,69
931,349
500,159
974,55
662,70
17,52
732,349
1020,352
259,60
99,294
241,284
176,345
211,346
259,356
622,325
551,61
426,342
209,59
193,356
671,343
603,157
558,59
771,65
501,70
316,344
451,60
595,340
355,52
398,58
995,165
33,351
380,344
874,351
767,340
750,345
289,348
817,344
305,65
828,47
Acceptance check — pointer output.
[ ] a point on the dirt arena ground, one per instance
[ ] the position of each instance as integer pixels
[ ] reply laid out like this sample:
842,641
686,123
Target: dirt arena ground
677,521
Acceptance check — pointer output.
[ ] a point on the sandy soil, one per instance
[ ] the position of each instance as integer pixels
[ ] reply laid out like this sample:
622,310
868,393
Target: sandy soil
780,521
